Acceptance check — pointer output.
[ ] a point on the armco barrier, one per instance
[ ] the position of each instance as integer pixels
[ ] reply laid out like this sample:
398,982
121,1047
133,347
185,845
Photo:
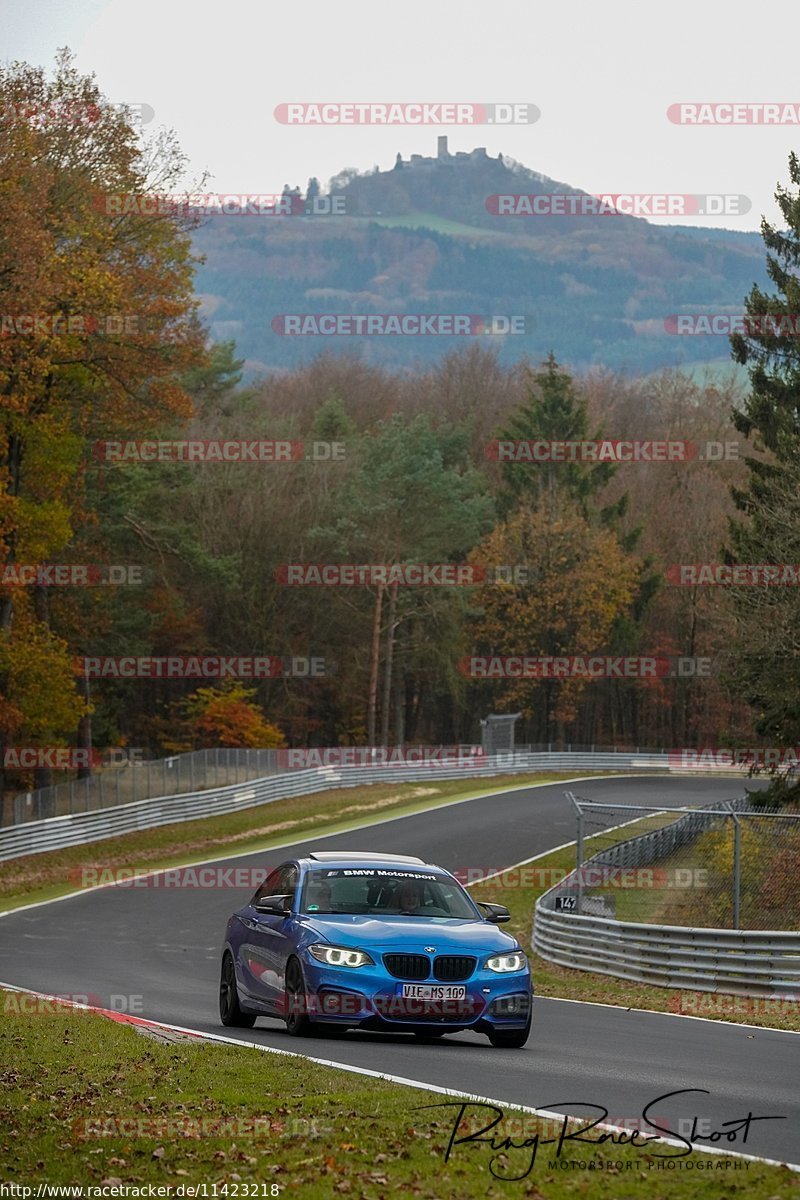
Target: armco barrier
75,829
742,962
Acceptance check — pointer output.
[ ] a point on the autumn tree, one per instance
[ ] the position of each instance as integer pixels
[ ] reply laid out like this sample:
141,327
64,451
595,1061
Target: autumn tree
581,580
229,716
98,316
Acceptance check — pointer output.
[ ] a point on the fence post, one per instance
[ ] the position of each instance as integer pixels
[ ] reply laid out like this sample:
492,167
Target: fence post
578,851
737,870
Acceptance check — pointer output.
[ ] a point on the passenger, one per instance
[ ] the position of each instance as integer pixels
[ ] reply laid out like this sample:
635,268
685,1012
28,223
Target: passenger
320,897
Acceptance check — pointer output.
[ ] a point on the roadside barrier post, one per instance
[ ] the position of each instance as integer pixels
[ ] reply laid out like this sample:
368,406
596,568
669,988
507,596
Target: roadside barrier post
737,868
578,852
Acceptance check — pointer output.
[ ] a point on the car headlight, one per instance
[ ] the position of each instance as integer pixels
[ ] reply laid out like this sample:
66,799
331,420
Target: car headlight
507,962
340,956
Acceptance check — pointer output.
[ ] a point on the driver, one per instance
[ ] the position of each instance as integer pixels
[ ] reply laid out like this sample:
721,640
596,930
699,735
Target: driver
409,897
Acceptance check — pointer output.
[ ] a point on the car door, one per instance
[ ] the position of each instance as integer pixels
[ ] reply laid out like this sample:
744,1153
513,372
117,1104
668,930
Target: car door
268,943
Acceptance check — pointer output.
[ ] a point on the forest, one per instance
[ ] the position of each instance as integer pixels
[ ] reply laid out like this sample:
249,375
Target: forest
441,551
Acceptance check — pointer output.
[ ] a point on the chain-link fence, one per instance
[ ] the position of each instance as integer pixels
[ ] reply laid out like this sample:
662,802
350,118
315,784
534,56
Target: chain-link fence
733,865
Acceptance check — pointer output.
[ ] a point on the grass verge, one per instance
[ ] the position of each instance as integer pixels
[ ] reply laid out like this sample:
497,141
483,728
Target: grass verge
88,1102
520,888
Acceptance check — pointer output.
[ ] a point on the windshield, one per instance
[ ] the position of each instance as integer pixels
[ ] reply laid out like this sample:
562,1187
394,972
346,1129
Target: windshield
385,892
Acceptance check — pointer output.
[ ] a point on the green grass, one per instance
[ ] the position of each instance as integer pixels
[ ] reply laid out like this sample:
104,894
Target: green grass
38,877
437,224
314,1132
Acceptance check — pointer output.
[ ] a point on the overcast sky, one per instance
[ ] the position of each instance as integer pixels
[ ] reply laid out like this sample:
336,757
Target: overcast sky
603,76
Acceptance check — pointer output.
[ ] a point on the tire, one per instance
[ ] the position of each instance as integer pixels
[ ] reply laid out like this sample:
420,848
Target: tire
511,1039
230,1012
327,1029
298,1024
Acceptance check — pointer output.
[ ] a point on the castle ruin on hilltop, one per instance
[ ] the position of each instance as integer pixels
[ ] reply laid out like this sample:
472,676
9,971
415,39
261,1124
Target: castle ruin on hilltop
442,155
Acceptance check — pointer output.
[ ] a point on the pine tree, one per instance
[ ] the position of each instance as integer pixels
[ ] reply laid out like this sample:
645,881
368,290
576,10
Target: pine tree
769,529
554,413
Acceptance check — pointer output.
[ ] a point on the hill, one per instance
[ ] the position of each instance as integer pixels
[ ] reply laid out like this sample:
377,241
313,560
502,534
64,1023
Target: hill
420,238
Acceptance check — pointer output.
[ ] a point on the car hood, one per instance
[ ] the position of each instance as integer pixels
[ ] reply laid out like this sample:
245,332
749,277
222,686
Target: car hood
411,934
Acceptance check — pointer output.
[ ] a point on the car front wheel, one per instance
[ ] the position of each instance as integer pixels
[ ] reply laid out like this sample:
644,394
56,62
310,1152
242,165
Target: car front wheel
298,1023
230,1012
510,1039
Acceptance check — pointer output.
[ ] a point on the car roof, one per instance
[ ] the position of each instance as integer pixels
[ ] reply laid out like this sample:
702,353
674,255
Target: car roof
363,858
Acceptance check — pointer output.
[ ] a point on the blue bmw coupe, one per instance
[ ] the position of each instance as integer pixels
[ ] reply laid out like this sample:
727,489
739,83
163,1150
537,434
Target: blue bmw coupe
343,940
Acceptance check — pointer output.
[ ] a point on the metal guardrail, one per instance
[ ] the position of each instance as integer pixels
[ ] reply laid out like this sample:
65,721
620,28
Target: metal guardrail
742,962
127,777
74,829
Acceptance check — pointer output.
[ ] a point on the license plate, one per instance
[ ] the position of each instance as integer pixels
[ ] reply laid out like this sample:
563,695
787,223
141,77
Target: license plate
432,991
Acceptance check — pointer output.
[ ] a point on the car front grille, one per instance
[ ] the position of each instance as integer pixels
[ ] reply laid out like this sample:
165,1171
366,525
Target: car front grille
407,966
447,968
453,966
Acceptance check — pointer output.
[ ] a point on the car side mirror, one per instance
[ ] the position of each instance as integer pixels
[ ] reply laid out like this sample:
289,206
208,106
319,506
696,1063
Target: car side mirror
496,913
279,906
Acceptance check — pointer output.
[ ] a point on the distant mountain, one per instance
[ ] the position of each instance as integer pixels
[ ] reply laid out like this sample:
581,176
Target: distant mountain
424,237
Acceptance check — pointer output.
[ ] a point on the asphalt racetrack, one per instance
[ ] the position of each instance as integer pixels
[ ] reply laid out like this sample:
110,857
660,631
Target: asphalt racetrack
163,945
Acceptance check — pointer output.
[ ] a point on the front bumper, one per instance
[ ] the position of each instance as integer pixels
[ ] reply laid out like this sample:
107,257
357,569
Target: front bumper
370,997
